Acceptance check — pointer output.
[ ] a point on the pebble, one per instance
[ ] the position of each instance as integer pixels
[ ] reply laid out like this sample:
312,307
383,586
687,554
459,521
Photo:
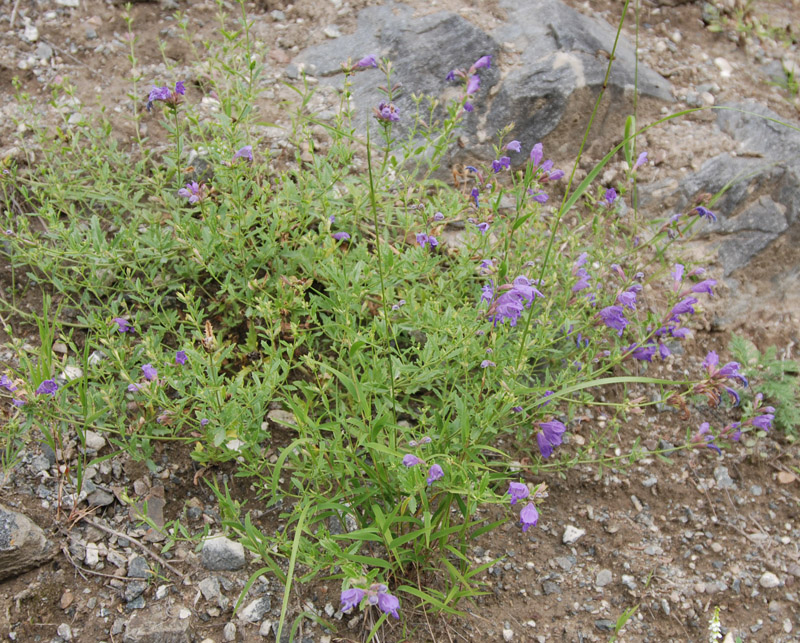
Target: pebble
222,554
277,15
184,613
636,504
229,632
629,582
572,535
604,577
266,628
650,482
716,547
255,610
769,580
723,478
725,68
92,556
787,625
65,631
138,567
68,3
508,634
31,33
605,625
332,32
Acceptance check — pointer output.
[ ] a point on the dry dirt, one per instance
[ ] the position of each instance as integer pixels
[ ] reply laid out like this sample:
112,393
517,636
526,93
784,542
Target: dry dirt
675,539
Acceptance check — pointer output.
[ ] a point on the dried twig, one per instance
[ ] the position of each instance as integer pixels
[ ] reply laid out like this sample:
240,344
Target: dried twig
13,14
144,548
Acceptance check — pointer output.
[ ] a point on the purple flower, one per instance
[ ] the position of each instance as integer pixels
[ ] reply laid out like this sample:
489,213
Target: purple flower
48,387
399,304
410,460
422,239
704,436
204,421
245,152
134,388
451,75
180,88
555,175
528,516
581,260
18,403
517,409
194,192
735,399
438,217
473,84
158,93
613,317
514,146
340,236
482,62
487,363
706,213
711,360
367,61
123,325
435,473
503,162
684,306
763,422
150,373
351,598
640,161
180,358
7,384
540,197
663,350
332,218
388,604
610,196
547,165
386,112
487,292
546,395
537,153
677,276
165,95
627,298
483,227
705,286
549,436
468,107
475,194
642,353
517,491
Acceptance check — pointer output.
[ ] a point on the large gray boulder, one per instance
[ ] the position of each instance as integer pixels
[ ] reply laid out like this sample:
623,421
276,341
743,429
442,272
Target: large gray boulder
551,70
757,237
23,545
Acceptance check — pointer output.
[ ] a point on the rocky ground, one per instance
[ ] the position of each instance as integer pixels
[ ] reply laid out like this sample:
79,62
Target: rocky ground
674,539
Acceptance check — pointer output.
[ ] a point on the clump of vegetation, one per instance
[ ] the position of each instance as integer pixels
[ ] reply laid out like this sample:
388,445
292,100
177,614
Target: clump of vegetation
363,342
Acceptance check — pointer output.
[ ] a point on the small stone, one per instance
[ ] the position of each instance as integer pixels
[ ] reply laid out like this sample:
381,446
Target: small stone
66,599
786,477
134,590
650,482
184,613
676,37
605,625
30,33
508,634
255,610
277,15
161,591
787,625
604,577
549,587
222,554
266,628
229,632
332,32
629,582
44,52
572,534
90,33
68,3
92,556
725,68
138,568
716,548
769,580
637,504
94,440
65,631
723,478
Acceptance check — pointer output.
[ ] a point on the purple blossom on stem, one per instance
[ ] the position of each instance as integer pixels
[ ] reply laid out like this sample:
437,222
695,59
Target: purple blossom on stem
549,436
613,317
555,175
194,191
517,491
48,387
340,236
516,409
150,373
484,62
473,84
483,226
502,162
351,598
451,75
515,298
704,436
641,160
181,358
410,460
539,197
610,196
677,276
705,286
438,217
166,95
367,61
468,107
627,299
537,153
642,353
528,516
7,384
435,473
705,213
386,112
763,422
123,325
245,152
514,146
683,307
399,304
475,194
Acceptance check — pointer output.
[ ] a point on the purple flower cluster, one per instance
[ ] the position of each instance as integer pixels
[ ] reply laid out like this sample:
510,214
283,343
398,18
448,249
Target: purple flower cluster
194,191
424,239
511,302
550,435
169,97
376,594
470,78
123,325
386,112
245,153
529,516
434,473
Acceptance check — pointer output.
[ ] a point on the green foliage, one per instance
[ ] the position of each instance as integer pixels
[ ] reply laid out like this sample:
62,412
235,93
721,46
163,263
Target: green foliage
776,377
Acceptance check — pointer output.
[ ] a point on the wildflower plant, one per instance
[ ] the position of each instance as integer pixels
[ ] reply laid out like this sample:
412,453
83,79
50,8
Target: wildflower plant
201,302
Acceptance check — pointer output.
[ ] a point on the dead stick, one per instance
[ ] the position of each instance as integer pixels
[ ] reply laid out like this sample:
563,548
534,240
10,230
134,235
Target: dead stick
145,549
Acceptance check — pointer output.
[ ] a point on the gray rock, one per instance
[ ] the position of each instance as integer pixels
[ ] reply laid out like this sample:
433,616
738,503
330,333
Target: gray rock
100,498
23,544
605,625
566,562
549,587
138,568
604,577
156,626
229,632
222,554
255,610
629,582
44,51
769,580
572,534
723,478
134,590
556,81
65,631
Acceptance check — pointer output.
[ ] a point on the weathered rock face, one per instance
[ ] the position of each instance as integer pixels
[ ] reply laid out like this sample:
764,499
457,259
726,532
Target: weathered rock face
23,545
554,65
757,237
